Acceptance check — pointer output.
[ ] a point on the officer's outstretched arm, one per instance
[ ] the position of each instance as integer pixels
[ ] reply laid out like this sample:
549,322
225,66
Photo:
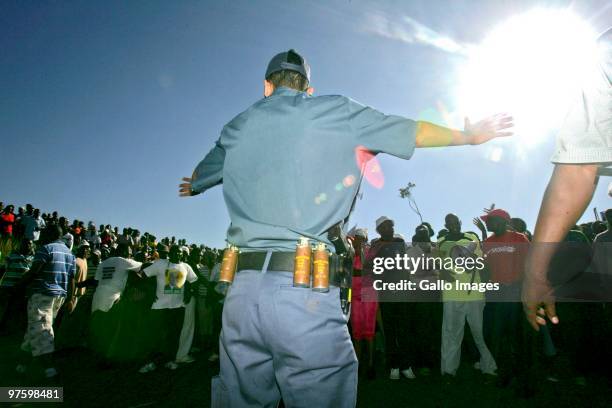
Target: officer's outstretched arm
208,173
430,135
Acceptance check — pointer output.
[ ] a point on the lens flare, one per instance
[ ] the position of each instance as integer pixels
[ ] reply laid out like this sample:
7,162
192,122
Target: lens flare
369,167
348,181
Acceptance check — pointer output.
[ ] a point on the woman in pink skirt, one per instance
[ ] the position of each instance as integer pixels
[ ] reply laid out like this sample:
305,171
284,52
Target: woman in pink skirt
364,305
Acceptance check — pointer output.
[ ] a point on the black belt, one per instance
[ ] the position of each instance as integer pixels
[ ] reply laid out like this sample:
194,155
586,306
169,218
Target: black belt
284,262
279,261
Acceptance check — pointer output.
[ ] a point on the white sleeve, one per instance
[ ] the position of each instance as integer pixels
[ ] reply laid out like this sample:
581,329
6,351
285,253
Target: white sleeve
155,269
191,276
586,134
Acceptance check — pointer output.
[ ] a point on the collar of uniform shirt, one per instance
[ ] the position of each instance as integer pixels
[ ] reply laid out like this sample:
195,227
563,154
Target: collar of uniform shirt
282,90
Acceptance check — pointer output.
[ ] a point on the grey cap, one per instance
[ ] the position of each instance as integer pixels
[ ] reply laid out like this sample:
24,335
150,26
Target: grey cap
289,60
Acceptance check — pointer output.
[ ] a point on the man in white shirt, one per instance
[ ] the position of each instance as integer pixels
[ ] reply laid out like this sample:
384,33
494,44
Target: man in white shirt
33,224
167,312
584,151
111,276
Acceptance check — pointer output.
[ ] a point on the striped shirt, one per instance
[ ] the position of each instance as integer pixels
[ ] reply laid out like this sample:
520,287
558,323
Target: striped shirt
16,266
59,268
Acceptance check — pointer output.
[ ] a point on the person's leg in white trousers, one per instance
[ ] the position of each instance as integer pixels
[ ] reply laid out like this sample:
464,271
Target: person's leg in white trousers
474,311
453,321
187,331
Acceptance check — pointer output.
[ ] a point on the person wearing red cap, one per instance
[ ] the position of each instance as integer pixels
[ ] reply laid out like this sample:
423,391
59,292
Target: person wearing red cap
511,340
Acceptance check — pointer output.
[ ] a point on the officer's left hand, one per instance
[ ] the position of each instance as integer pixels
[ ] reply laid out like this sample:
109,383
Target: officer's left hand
488,128
185,188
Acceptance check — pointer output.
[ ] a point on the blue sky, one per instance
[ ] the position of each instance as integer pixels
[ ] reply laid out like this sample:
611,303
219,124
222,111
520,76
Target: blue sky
106,105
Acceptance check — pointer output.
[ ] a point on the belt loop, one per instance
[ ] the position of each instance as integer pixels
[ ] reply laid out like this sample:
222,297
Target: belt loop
264,269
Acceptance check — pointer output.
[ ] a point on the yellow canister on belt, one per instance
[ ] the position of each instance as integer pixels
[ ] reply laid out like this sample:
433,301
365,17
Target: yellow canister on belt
320,273
301,267
229,264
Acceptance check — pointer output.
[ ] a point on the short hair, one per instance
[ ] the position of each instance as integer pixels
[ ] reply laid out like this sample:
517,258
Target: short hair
53,232
518,224
289,78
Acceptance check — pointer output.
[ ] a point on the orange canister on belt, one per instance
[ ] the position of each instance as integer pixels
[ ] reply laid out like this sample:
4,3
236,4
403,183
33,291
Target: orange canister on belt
320,273
229,264
301,267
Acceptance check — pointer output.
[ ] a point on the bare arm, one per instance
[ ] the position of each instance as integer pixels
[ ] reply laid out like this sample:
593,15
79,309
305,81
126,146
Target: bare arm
430,135
569,191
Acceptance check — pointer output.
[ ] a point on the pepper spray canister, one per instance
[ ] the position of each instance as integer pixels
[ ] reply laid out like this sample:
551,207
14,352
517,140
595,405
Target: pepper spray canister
301,267
320,272
229,264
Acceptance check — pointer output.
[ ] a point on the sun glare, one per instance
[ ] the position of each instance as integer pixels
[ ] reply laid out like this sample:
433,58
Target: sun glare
529,66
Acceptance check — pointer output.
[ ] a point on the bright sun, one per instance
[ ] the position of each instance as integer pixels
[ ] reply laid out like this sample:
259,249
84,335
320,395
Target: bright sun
529,66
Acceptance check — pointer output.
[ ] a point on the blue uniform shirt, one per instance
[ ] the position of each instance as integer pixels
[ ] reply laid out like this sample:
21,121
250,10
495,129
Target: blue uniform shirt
58,270
282,159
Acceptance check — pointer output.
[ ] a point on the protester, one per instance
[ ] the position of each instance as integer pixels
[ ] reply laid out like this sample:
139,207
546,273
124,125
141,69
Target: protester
7,220
18,263
189,320
111,277
461,305
428,306
75,325
397,314
33,225
511,340
167,313
50,282
363,311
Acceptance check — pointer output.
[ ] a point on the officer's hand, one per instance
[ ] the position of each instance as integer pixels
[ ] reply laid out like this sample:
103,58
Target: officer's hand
185,188
488,128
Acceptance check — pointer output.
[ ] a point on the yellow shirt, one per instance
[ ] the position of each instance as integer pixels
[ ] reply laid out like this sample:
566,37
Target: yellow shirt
444,248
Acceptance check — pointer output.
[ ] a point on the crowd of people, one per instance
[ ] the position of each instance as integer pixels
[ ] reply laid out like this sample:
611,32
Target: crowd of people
124,296
423,330
132,297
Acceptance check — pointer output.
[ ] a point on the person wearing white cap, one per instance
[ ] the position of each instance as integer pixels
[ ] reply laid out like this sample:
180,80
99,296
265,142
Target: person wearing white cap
396,315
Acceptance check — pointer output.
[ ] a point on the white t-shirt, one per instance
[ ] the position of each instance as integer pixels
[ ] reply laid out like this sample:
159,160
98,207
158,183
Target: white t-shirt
171,279
111,275
586,135
33,226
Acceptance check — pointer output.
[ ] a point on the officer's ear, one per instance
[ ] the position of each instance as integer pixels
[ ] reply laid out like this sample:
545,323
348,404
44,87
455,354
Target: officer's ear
268,88
310,90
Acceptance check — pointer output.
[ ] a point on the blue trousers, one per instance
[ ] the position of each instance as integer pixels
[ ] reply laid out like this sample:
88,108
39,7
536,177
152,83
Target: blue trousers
280,341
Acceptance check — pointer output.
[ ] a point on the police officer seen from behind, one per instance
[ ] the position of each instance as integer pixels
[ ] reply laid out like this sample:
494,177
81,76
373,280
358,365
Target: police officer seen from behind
280,162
